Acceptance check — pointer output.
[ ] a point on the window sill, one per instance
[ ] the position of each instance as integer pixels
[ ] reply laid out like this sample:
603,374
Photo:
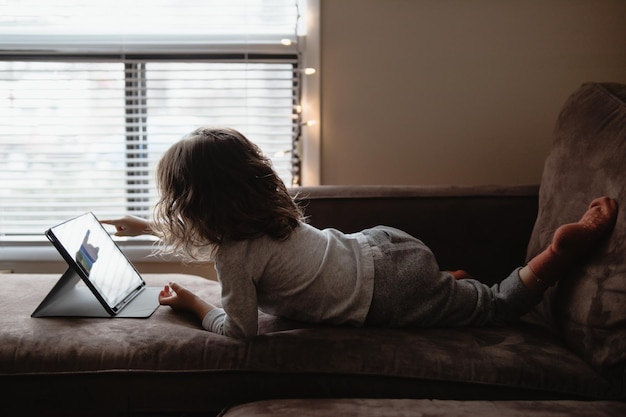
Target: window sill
32,249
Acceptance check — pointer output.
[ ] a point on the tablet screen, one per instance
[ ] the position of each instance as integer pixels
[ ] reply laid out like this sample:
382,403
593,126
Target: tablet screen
88,246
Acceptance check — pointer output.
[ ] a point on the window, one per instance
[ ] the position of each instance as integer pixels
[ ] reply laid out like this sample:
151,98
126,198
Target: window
83,122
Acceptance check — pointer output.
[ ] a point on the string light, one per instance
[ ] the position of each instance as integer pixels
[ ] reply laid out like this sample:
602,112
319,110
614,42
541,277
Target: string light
296,150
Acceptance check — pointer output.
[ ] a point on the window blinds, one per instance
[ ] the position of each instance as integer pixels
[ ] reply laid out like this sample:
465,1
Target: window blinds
84,131
129,26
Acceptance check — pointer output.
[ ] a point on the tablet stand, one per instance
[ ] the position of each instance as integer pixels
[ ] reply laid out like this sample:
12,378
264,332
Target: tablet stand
68,299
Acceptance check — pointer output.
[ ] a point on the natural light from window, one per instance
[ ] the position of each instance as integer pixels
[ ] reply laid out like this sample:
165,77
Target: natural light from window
92,94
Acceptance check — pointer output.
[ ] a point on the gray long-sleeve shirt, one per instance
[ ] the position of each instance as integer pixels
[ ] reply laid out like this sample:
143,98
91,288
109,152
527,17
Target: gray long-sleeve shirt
318,276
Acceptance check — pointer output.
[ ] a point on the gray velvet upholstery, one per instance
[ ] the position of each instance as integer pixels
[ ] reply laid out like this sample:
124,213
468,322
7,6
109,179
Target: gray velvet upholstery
587,160
289,359
425,408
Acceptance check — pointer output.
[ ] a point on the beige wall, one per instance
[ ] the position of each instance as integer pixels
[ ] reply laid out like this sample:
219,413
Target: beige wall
455,91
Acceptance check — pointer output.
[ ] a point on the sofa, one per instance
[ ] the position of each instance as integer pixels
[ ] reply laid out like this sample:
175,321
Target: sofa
565,357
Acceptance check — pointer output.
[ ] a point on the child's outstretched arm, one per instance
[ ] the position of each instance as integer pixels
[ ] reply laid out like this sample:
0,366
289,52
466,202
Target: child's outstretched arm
181,299
130,226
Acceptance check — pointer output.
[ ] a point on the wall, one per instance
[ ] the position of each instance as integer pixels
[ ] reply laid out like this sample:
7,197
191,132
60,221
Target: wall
454,91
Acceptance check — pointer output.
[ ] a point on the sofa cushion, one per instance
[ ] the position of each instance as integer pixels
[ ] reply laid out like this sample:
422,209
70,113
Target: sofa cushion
391,407
587,160
170,357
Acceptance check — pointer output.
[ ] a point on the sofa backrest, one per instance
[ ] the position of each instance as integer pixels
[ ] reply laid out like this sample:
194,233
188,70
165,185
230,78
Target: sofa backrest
483,230
587,160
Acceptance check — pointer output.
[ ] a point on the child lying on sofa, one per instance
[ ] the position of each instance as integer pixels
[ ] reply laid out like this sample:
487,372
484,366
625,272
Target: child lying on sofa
220,199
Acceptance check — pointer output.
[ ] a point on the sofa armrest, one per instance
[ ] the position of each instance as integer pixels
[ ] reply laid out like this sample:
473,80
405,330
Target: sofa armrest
481,229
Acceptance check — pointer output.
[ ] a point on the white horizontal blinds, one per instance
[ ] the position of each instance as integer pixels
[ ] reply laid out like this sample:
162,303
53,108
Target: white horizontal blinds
255,98
84,131
86,136
126,26
62,142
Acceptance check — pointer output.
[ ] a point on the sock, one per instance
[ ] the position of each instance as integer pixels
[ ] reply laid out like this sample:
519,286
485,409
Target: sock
573,240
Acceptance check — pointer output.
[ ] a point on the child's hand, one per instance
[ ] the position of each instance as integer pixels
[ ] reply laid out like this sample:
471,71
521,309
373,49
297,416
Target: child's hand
169,297
180,298
129,226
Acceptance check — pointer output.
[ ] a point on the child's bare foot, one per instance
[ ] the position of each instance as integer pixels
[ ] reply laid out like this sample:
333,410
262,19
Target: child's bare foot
595,223
573,240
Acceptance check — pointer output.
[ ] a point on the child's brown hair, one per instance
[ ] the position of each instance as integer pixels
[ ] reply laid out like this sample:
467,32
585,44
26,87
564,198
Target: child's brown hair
217,186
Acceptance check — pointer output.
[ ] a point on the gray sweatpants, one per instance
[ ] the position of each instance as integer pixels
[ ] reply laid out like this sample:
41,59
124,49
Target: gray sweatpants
410,290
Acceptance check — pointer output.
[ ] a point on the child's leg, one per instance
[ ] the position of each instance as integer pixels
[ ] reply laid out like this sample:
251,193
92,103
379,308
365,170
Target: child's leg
570,242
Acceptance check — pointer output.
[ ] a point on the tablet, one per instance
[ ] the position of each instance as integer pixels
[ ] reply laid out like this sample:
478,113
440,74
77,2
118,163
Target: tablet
93,255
